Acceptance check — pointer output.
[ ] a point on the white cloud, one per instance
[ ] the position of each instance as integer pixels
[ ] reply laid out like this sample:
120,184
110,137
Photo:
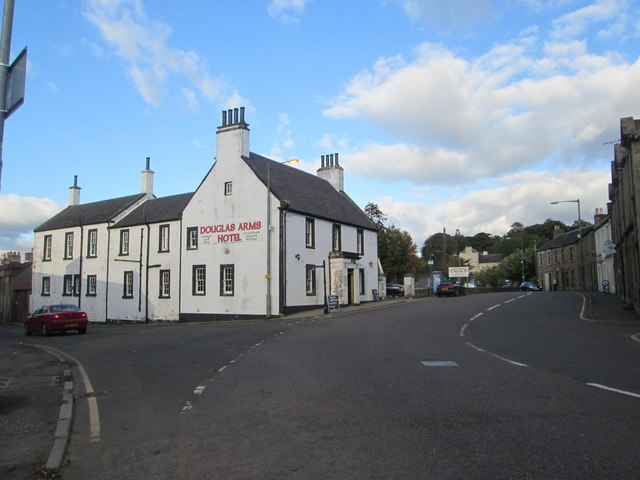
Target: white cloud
610,14
469,119
19,216
524,197
287,11
144,45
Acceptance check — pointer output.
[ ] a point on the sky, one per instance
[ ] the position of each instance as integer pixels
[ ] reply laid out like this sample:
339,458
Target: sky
467,114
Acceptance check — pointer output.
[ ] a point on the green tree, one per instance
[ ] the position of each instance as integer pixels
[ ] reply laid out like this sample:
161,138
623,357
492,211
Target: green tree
394,248
376,215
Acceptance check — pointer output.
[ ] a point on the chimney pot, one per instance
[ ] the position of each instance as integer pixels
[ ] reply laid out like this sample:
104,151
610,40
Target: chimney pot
337,159
241,114
224,118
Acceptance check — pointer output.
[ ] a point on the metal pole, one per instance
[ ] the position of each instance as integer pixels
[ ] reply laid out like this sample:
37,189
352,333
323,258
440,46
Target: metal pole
522,254
268,275
324,278
580,269
5,51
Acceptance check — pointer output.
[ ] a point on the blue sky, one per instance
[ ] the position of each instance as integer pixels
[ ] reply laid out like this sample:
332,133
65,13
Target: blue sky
468,114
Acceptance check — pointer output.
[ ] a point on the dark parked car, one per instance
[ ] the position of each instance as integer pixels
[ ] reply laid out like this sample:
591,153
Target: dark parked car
395,290
529,287
450,289
56,318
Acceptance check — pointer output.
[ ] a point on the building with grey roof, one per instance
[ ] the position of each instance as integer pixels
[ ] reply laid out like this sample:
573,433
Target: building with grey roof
256,238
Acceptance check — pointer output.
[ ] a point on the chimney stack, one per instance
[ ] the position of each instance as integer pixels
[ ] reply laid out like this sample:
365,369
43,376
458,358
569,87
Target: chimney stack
74,193
331,171
147,179
233,135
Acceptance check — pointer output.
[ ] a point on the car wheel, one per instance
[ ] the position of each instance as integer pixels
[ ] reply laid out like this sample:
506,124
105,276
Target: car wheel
45,330
27,329
82,331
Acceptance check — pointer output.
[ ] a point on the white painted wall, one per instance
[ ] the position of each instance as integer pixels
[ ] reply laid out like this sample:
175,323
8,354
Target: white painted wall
246,249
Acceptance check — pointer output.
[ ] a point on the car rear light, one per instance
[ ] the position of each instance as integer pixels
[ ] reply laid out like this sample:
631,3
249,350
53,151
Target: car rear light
84,314
56,316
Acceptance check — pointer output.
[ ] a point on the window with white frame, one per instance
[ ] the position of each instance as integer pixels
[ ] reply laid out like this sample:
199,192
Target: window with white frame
68,245
228,188
199,280
310,232
311,279
163,238
92,243
165,283
337,238
76,285
46,286
46,251
226,280
67,285
192,238
124,242
92,285
360,241
127,285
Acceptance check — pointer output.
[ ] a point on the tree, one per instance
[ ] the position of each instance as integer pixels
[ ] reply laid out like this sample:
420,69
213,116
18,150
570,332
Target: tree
376,215
396,250
394,246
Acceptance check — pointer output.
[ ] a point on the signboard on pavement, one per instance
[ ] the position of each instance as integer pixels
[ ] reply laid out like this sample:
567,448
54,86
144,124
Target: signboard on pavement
458,272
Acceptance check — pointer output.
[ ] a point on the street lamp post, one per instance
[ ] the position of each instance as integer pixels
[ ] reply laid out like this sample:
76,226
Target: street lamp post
580,273
293,161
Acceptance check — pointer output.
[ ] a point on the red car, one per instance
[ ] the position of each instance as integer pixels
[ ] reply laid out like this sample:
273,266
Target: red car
56,318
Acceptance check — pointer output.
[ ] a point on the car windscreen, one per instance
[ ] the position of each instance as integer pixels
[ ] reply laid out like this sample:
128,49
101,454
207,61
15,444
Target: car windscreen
64,308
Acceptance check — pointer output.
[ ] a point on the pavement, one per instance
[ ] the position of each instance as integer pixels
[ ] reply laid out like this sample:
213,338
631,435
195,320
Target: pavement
36,384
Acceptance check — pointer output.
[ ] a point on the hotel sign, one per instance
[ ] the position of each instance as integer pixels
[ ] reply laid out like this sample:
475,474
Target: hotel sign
230,232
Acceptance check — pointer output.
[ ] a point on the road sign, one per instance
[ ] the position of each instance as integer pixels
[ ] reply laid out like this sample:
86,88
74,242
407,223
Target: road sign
16,82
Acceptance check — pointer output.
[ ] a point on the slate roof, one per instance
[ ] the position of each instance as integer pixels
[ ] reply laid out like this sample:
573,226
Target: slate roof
564,239
89,213
157,210
490,258
308,194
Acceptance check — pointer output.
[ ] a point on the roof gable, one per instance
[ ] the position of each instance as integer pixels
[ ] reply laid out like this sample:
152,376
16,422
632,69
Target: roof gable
308,194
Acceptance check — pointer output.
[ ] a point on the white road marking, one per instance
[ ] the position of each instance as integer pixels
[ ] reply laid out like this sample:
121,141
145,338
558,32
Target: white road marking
616,390
199,390
522,296
509,301
439,363
94,413
464,327
222,368
476,316
491,308
518,364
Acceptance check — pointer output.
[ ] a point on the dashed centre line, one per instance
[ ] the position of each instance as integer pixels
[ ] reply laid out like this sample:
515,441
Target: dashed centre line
491,308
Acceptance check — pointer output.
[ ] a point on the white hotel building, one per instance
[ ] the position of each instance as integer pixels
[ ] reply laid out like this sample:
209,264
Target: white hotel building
257,238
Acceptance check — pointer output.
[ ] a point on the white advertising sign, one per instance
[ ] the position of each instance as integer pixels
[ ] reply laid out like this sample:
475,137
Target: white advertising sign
458,272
